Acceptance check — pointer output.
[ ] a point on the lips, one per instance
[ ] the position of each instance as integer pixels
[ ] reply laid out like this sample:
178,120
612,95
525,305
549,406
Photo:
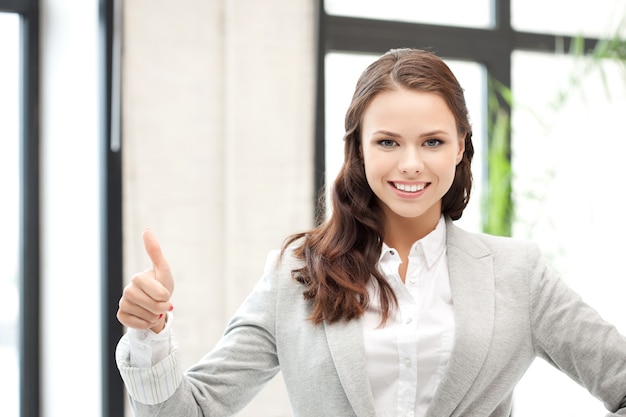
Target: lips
409,188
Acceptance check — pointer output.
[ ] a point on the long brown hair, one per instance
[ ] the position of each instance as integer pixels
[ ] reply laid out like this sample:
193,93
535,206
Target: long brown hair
341,254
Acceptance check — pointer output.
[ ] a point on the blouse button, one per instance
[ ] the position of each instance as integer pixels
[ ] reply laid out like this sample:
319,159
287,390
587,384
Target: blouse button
407,362
409,320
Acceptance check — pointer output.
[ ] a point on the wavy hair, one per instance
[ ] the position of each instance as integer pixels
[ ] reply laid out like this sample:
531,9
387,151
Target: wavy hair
341,254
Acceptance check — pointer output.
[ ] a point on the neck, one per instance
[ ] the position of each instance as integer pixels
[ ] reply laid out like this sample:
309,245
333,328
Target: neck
402,232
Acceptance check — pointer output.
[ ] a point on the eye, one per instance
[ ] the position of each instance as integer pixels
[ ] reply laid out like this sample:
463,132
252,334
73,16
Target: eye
432,143
387,143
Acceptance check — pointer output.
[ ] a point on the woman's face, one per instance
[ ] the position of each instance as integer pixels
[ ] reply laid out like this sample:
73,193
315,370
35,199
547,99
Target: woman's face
411,148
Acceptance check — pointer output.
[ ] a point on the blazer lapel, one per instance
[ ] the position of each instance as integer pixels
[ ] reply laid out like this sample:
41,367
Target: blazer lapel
473,295
345,341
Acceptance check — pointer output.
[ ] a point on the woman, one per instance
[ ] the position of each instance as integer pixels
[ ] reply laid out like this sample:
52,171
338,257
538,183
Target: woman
387,308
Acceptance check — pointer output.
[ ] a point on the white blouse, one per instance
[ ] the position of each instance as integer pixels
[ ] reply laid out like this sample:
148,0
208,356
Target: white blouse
408,356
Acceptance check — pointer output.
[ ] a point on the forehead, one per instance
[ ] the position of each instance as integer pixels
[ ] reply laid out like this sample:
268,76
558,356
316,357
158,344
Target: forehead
408,107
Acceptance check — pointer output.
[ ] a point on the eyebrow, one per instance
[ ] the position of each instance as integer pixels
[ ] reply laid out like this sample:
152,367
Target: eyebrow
385,133
395,135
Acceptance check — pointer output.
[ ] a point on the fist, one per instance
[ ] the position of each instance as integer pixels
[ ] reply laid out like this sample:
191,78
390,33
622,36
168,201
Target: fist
146,299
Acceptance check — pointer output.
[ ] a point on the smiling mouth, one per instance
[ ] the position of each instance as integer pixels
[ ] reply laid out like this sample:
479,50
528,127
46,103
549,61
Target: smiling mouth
409,188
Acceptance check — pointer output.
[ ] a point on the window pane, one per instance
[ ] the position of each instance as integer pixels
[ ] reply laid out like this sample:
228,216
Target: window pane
568,169
9,211
342,72
475,13
598,18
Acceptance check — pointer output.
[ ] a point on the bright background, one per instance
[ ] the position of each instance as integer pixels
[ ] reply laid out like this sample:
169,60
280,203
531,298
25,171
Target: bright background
200,170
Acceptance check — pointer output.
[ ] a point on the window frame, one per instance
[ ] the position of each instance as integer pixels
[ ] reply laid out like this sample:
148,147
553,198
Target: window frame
491,47
113,391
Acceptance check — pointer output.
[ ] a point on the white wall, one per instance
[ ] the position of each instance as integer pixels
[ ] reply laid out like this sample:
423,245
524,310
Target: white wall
218,121
70,178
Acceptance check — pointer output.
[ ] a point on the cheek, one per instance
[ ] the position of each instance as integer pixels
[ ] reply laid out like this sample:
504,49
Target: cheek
446,167
376,165
370,172
376,170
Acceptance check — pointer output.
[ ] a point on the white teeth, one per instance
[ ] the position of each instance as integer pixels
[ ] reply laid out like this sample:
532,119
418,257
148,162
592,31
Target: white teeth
411,188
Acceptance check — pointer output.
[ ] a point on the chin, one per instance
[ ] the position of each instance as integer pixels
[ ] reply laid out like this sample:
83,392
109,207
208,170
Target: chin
409,214
415,213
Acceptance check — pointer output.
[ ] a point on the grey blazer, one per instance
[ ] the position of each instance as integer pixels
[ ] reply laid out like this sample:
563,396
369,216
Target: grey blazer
509,309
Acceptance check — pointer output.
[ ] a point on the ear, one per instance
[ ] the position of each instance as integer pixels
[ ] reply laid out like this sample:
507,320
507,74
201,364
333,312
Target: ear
459,155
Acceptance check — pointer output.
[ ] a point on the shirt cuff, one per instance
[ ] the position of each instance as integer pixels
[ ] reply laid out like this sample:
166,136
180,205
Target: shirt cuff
148,348
156,383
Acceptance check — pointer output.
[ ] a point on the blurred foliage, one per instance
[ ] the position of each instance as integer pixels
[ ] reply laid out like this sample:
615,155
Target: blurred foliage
497,204
498,207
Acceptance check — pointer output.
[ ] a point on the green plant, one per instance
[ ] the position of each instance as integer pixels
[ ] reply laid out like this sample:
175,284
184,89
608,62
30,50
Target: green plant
497,205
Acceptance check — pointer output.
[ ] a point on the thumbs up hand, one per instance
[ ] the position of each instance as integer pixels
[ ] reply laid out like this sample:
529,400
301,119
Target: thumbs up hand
146,298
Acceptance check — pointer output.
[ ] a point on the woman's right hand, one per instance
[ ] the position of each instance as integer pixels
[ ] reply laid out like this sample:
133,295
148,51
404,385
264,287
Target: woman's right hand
146,299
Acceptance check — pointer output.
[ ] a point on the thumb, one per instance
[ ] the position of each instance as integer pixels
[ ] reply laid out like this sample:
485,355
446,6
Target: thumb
153,249
159,263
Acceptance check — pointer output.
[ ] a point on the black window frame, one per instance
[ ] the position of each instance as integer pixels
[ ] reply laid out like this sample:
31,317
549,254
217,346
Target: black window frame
113,391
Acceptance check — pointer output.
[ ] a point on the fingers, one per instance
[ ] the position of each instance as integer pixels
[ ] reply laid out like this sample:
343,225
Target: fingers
144,290
153,288
153,249
141,320
136,317
144,302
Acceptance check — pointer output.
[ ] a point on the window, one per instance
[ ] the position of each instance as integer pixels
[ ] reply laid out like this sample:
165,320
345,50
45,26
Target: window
349,43
573,148
476,13
21,333
600,18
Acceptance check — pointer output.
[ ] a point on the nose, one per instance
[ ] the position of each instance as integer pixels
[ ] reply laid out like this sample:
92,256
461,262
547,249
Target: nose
410,161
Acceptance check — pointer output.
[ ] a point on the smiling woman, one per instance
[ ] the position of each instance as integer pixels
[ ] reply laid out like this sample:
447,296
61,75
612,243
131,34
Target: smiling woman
9,211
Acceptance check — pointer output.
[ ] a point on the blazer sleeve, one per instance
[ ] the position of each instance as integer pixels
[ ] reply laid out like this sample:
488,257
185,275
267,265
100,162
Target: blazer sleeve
225,379
573,337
